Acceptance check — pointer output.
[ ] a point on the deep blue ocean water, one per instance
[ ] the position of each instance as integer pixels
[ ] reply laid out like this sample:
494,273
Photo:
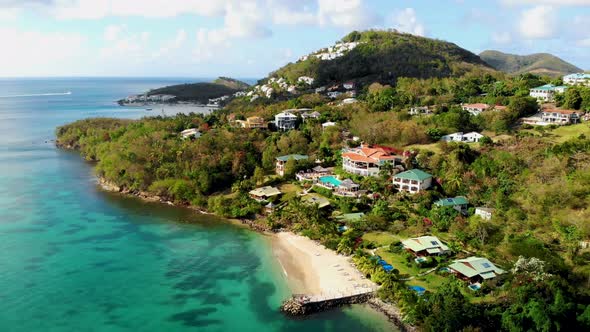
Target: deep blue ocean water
74,258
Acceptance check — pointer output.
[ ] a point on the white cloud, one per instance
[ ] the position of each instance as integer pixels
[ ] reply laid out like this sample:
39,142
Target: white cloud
548,2
539,22
407,21
350,14
583,42
35,53
501,37
93,9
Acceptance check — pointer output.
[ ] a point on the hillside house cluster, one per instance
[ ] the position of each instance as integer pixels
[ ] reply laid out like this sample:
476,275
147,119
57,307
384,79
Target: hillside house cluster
367,161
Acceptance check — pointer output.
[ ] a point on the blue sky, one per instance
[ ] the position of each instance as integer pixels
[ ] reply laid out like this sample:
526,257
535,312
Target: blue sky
250,38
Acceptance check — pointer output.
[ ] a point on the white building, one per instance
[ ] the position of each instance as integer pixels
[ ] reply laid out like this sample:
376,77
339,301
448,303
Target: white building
471,137
192,132
348,85
546,92
475,109
560,117
484,213
412,181
367,161
334,94
577,78
286,120
306,79
310,115
328,124
348,101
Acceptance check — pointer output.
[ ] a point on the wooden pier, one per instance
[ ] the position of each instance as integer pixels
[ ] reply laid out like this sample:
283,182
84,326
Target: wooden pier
301,305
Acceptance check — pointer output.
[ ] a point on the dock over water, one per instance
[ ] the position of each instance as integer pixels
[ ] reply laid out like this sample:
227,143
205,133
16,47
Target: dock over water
301,305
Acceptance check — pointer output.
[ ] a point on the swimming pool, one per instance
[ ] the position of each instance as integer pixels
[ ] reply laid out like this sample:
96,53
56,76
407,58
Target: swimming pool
331,180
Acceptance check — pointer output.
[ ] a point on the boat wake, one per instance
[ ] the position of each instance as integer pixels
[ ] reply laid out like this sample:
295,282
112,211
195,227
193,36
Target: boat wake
39,95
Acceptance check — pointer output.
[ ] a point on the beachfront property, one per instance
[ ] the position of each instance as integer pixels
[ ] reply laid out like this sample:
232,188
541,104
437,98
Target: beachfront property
282,161
346,187
560,117
475,109
458,203
412,181
366,161
310,115
475,269
484,212
253,122
420,110
190,133
471,137
264,193
286,121
425,246
577,78
546,92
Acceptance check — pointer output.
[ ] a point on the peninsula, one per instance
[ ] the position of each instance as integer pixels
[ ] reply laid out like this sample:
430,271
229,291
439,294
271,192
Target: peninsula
460,191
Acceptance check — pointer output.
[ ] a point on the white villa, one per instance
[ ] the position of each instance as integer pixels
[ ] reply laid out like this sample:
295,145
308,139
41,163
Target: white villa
282,161
484,212
560,117
412,181
366,161
425,246
475,109
471,137
546,92
192,132
328,124
577,78
286,120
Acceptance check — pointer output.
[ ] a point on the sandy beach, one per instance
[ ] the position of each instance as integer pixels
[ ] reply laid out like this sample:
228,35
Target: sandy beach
312,269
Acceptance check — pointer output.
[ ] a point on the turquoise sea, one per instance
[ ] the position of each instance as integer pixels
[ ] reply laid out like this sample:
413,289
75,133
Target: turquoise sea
74,258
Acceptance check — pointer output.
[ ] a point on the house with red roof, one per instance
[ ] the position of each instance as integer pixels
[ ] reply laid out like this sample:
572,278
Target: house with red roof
560,117
366,161
475,109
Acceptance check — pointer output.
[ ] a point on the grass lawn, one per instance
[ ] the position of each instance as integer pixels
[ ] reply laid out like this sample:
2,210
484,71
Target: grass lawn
431,281
432,147
289,191
565,133
381,238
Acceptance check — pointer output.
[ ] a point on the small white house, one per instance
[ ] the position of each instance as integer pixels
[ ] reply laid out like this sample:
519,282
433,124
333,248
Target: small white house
334,94
348,85
348,101
328,124
192,132
471,137
484,213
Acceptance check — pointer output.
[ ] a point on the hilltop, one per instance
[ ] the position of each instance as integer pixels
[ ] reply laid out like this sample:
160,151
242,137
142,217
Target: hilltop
538,63
382,56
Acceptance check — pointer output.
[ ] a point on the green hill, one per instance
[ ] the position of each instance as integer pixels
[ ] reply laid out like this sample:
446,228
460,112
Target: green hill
539,63
201,92
384,56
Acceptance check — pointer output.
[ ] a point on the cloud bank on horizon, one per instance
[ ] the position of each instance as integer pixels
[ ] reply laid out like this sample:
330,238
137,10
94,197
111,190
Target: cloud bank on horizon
249,38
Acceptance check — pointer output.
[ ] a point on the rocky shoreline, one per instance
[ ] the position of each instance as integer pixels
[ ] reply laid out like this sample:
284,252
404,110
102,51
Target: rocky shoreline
392,312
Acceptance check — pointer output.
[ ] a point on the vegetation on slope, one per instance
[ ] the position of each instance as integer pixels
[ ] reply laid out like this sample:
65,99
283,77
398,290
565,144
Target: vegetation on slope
539,63
384,56
201,92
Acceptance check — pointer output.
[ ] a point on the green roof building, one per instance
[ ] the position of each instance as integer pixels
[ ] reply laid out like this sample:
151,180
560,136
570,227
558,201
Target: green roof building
412,181
458,203
475,269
